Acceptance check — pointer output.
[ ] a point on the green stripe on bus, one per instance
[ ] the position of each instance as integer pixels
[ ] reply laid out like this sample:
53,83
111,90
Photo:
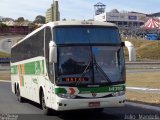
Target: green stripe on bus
103,89
22,81
60,90
32,68
14,69
29,68
116,88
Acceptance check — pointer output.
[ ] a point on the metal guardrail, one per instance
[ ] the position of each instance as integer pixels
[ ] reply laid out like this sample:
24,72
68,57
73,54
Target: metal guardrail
143,65
158,62
5,60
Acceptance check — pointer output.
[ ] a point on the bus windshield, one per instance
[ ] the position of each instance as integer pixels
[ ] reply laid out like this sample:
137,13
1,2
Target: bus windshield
86,34
80,65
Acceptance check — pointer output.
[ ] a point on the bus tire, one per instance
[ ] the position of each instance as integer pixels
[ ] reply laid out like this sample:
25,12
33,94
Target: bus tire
46,110
15,89
19,97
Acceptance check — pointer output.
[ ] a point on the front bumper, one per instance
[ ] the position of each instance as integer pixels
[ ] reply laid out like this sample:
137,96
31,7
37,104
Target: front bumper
63,104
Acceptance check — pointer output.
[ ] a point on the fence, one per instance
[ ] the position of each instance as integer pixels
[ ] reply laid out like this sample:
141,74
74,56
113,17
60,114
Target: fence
21,30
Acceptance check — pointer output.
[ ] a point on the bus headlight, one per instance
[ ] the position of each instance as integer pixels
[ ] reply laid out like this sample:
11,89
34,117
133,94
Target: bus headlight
118,93
67,96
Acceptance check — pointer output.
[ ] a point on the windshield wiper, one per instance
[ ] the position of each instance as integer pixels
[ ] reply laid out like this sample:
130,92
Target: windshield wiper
84,72
101,70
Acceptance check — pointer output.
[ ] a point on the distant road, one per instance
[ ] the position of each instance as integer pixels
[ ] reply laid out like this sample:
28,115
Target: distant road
5,45
143,65
31,111
8,41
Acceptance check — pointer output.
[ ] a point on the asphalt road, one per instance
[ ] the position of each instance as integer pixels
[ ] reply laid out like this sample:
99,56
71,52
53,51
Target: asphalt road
31,111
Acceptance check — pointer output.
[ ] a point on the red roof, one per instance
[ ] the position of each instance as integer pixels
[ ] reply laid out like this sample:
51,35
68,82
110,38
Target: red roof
152,23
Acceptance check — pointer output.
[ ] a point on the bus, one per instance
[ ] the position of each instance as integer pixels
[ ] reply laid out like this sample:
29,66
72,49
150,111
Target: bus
70,65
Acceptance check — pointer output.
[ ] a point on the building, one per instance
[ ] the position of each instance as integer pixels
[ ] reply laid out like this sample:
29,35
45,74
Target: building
52,13
126,21
49,14
16,28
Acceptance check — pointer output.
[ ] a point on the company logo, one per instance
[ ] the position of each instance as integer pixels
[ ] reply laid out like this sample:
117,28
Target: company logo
94,94
132,17
72,91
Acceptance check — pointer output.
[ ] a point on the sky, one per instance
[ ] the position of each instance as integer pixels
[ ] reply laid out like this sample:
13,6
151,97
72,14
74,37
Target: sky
73,9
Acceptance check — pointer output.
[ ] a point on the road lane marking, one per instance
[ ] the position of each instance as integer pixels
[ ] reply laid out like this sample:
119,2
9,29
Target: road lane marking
5,81
143,89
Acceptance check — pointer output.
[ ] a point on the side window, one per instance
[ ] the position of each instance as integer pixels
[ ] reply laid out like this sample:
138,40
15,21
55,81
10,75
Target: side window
34,45
38,44
29,48
48,38
13,54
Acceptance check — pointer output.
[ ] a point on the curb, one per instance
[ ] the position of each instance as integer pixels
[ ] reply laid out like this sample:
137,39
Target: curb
5,81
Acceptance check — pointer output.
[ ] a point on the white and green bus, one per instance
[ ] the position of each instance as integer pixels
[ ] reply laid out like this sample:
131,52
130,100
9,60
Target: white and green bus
70,65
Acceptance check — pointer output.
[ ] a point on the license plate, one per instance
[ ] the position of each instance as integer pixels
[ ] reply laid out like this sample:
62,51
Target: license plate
94,104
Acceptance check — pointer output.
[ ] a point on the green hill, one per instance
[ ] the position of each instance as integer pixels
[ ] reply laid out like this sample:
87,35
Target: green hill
4,55
145,49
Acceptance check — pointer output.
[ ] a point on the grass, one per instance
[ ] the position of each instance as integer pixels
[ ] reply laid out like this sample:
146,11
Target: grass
4,55
147,98
147,79
145,49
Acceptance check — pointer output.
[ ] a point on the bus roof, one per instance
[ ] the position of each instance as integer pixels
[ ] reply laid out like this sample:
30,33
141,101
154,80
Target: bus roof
80,23
68,23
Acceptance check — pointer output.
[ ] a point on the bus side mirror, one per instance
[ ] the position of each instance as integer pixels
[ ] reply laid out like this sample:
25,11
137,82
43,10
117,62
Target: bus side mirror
52,52
131,51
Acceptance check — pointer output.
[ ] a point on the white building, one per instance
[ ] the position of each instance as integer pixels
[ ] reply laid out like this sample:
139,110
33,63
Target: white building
124,20
52,13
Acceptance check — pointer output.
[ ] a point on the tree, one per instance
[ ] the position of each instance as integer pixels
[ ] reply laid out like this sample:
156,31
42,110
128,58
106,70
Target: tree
40,19
3,25
20,19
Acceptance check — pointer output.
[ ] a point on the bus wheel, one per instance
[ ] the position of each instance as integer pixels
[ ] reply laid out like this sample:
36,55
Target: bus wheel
46,110
19,97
